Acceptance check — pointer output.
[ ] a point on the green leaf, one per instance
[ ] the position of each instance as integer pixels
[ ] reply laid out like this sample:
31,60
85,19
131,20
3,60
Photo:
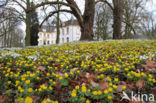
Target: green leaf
64,82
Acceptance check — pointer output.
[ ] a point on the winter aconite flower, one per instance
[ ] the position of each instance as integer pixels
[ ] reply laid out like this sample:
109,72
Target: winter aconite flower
109,97
84,90
73,93
27,81
30,90
28,100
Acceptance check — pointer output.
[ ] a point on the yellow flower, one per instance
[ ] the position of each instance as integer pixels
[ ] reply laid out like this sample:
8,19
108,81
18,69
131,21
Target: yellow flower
21,90
60,78
44,101
38,78
19,100
109,97
73,93
48,74
39,89
143,74
149,79
114,86
77,87
150,76
55,102
110,89
9,82
43,86
105,91
123,87
99,92
50,88
23,79
84,90
66,75
116,79
17,82
87,101
95,93
8,91
50,80
30,90
137,74
82,99
28,100
110,84
27,81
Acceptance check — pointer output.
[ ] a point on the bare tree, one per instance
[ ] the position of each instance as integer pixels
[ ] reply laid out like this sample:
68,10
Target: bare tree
117,10
8,21
103,20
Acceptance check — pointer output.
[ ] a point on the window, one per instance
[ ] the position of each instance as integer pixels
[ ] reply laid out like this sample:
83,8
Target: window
67,39
51,42
44,42
48,42
67,30
48,35
62,40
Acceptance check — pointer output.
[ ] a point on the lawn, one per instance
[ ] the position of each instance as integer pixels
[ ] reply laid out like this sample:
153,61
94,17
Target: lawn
95,72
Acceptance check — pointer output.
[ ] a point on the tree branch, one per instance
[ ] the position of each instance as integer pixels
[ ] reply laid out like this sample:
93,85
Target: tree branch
48,3
105,1
130,26
20,5
54,12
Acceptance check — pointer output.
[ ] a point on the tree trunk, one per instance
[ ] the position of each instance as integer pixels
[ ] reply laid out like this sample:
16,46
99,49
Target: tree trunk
117,18
88,21
27,29
58,24
86,33
27,21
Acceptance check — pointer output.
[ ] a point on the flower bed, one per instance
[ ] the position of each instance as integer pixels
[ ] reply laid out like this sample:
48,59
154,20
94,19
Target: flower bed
96,72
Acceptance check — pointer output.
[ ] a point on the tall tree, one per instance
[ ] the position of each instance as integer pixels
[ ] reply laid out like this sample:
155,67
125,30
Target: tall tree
58,24
85,20
117,11
103,20
27,21
25,15
34,27
117,18
8,21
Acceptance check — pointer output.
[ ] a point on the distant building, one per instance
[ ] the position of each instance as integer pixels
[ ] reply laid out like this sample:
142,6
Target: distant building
47,35
69,31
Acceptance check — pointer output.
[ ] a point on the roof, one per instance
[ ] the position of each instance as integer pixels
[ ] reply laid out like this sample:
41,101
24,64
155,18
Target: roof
47,28
70,22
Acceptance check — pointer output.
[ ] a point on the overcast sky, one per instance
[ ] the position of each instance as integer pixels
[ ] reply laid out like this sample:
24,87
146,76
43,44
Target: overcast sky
152,7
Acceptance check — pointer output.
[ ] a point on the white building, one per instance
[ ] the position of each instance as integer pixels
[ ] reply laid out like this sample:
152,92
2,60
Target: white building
47,35
69,31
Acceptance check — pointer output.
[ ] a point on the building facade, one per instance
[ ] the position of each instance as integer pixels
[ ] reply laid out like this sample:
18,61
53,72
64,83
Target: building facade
69,32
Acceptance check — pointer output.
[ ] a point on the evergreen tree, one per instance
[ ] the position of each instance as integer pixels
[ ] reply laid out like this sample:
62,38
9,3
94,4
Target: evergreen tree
34,27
